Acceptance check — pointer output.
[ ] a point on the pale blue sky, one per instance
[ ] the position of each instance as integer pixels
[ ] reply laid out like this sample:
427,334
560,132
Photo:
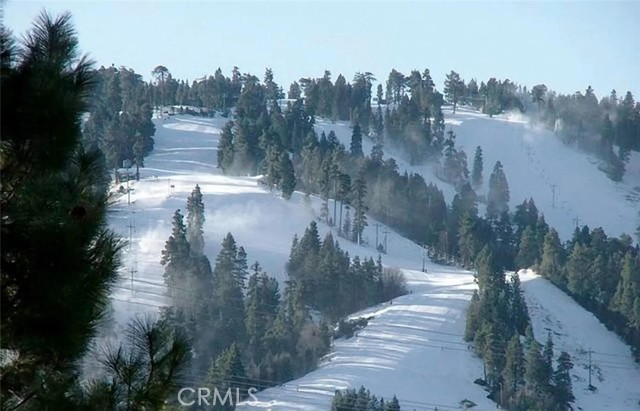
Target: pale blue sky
567,45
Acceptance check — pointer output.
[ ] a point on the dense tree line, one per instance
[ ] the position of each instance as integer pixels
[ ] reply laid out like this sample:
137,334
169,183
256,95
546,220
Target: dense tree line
609,128
332,283
59,259
244,331
413,118
362,400
340,101
602,273
517,377
120,123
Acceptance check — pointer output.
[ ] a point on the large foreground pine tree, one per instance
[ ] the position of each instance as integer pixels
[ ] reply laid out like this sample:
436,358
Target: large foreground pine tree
58,258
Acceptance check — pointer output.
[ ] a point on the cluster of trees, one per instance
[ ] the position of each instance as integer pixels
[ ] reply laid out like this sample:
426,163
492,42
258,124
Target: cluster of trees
361,184
339,100
120,123
497,319
602,273
324,166
212,93
262,138
59,260
362,400
609,128
413,118
493,97
332,283
244,332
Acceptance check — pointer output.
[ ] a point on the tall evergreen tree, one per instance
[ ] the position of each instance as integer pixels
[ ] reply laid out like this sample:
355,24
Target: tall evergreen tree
534,370
226,149
176,255
228,295
288,181
59,260
628,290
356,141
562,386
476,174
360,209
195,221
517,306
228,373
498,196
513,372
547,359
528,253
551,265
454,89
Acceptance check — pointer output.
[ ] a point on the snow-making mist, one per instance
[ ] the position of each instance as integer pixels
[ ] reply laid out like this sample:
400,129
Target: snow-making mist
414,347
566,184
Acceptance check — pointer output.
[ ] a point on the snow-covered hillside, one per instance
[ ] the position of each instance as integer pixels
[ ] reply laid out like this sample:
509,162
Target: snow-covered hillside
576,331
537,164
412,348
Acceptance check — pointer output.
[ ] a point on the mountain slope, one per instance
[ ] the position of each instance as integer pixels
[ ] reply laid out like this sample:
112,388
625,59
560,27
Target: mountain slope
412,348
613,372
538,165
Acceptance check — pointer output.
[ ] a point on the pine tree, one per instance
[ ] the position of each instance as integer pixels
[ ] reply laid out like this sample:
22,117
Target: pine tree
360,209
228,373
346,226
176,256
226,148
473,317
195,221
228,296
240,269
551,263
294,91
562,388
517,306
261,308
356,142
392,405
494,357
454,89
628,289
534,369
498,196
579,280
528,254
59,259
547,360
513,372
488,276
476,174
141,373
288,182
468,244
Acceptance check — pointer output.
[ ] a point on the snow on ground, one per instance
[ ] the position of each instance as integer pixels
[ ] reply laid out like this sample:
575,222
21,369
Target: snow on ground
412,348
536,164
614,374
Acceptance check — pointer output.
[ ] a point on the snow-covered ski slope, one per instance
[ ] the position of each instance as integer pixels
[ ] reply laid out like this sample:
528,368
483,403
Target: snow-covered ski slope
613,374
537,165
412,348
